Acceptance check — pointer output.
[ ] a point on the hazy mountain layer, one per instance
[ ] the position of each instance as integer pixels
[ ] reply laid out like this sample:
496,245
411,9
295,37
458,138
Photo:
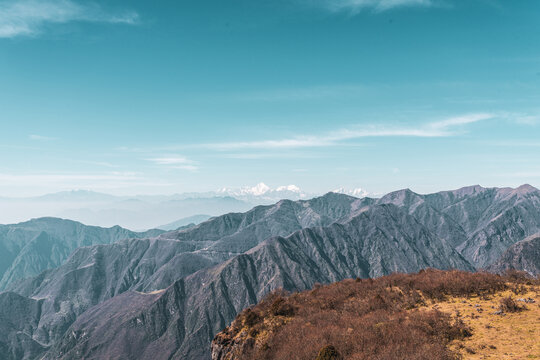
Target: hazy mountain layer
135,213
190,220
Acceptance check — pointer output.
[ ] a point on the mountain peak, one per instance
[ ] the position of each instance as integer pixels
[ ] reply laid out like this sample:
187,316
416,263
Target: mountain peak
469,190
525,189
259,189
265,192
292,188
357,192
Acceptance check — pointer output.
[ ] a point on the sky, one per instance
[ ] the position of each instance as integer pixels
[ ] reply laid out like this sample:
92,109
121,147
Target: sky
159,97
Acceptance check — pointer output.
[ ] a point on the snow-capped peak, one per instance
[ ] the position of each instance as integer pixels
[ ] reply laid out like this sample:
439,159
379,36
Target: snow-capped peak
291,188
358,192
257,190
263,191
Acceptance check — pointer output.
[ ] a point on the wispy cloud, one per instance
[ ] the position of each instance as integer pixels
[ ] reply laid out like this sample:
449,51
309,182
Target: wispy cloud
459,120
447,127
522,118
29,17
41,138
175,162
377,5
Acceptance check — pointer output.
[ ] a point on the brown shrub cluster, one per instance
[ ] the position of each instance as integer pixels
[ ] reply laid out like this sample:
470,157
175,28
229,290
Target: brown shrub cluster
379,319
508,305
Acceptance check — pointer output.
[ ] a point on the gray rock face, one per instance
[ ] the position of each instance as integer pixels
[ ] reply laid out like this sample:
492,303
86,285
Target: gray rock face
232,234
522,256
28,248
480,223
94,274
18,317
181,321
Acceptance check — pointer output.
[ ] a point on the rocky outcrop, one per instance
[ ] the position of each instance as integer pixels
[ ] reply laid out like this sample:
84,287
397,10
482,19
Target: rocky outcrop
481,223
522,256
19,317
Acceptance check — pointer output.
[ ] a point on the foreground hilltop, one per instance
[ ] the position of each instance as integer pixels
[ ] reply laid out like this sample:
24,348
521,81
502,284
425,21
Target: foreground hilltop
435,315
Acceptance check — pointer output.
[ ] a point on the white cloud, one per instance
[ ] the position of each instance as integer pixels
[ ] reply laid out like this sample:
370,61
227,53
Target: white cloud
41,137
175,162
531,119
460,120
377,5
29,17
434,129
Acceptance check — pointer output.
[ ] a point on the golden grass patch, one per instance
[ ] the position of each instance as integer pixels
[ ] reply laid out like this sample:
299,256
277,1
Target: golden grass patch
496,335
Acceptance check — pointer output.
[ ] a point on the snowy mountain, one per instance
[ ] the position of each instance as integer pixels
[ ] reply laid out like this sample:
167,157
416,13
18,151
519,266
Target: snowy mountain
262,193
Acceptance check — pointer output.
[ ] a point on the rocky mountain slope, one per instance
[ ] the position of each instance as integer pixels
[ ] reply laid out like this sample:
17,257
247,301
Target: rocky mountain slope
181,320
94,274
167,296
522,256
480,222
28,248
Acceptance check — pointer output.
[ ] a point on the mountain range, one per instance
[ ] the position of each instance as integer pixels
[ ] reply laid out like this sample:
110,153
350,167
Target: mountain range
28,248
145,211
167,295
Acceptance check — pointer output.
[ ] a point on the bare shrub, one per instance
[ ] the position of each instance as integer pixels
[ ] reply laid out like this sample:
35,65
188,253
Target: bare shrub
508,304
328,352
251,318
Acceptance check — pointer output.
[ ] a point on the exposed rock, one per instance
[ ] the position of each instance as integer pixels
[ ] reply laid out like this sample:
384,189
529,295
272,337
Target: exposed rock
165,297
522,256
28,248
189,313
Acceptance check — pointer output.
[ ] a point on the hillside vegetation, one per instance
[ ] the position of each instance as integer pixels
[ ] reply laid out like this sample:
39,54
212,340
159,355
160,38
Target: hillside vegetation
435,315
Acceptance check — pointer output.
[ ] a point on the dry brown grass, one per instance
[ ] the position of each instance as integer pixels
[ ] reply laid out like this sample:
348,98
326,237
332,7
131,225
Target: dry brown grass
497,334
392,317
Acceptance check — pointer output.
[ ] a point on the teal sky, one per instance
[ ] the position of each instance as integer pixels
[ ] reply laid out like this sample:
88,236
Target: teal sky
153,97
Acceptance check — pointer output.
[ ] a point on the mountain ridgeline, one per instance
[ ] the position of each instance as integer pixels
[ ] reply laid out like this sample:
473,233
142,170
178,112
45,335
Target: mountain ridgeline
28,248
165,296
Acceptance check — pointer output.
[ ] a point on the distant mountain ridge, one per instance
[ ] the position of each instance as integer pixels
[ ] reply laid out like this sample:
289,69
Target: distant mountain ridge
33,246
147,211
190,220
166,296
